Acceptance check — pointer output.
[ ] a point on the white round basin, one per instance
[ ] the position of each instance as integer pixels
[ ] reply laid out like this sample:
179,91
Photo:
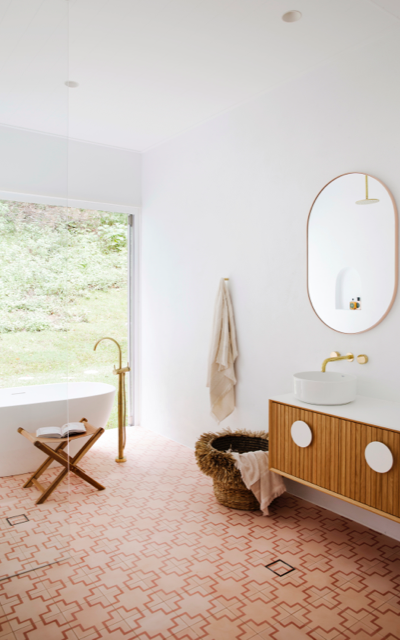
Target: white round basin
316,387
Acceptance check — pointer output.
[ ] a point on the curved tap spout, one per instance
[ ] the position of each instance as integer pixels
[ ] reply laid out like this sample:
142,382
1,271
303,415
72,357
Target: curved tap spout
335,355
119,348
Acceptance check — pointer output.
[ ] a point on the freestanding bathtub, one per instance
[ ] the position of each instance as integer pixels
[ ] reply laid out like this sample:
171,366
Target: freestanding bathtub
45,406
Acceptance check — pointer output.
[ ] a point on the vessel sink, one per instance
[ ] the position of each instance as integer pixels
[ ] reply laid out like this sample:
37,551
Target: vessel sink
316,387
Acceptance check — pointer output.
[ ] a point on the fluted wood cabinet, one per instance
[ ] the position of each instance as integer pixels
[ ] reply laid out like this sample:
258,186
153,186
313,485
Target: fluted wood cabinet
334,462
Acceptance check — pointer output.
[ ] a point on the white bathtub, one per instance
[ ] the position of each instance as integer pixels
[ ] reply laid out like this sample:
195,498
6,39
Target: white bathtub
44,406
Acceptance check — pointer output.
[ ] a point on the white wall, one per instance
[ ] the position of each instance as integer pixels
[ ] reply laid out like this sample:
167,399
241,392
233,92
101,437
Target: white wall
112,175
231,199
53,166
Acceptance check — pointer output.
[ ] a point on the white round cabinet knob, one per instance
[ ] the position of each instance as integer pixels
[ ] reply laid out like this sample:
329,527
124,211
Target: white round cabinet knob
301,433
378,457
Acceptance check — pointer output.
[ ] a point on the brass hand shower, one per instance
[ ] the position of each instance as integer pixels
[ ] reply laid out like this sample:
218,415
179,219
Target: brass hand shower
120,372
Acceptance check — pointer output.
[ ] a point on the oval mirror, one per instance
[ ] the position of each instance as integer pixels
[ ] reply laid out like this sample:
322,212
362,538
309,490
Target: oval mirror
352,253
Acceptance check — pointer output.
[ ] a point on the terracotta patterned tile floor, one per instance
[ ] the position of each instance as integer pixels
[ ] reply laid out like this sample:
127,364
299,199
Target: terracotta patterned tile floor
154,557
31,535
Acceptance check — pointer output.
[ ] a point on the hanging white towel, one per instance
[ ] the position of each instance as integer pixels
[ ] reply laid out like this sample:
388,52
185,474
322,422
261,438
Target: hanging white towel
223,353
265,484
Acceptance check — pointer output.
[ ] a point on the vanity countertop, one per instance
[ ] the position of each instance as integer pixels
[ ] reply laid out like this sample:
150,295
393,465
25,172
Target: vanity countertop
373,411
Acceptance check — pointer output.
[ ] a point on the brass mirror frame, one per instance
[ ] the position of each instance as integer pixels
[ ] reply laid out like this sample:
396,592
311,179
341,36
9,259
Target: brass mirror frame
396,251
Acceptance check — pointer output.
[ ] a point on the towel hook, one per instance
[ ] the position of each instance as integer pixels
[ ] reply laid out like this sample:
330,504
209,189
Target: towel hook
226,278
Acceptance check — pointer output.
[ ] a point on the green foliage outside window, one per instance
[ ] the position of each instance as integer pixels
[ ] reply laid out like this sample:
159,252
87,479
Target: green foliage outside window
53,257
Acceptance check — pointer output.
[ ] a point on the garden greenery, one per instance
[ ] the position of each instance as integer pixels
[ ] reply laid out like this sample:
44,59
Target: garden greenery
50,258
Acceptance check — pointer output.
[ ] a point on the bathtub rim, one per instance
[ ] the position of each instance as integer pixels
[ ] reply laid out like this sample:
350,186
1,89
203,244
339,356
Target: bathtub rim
107,388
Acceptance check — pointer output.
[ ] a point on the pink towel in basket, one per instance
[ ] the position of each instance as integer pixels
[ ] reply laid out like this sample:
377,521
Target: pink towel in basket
265,484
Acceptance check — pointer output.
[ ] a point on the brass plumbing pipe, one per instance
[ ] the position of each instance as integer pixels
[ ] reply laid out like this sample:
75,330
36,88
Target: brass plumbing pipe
120,372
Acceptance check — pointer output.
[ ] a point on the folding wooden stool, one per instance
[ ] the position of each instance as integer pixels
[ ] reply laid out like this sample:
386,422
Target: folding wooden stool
69,463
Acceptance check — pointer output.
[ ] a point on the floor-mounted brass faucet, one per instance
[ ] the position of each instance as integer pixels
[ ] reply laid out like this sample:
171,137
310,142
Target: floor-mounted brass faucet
120,372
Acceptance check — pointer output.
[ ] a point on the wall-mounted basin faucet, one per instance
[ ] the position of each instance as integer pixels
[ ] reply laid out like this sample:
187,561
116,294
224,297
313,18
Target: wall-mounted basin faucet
335,355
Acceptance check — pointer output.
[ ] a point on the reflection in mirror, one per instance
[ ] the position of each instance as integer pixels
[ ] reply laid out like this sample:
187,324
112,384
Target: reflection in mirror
352,253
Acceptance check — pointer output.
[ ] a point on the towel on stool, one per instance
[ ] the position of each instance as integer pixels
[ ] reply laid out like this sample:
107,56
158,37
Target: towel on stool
223,353
265,484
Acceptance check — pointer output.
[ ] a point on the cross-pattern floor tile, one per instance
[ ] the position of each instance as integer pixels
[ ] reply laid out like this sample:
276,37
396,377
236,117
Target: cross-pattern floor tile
154,557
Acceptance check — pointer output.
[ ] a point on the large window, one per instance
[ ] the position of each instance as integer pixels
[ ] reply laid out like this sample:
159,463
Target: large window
63,286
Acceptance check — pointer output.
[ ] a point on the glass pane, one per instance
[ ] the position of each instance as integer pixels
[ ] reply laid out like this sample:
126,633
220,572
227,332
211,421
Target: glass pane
63,288
34,380
33,277
98,307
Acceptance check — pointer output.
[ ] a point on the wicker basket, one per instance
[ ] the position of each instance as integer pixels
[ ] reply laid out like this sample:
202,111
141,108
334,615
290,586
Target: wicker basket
213,459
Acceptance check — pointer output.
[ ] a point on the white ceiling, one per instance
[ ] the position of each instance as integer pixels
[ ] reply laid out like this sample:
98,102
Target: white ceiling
150,69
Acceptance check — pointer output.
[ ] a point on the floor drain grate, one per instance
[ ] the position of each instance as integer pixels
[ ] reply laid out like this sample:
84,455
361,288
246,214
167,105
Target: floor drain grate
14,520
281,568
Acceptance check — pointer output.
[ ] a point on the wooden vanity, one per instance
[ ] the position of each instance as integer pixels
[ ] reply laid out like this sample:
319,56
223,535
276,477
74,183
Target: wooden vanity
334,461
